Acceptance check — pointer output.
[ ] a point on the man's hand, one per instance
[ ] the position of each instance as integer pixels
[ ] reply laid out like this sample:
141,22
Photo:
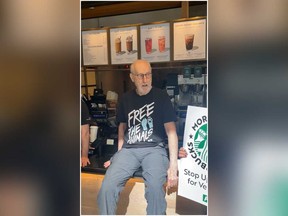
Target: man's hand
182,153
84,161
172,176
107,164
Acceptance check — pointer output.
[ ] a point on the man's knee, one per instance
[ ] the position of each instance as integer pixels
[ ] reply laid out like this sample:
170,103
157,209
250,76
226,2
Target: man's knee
107,190
155,184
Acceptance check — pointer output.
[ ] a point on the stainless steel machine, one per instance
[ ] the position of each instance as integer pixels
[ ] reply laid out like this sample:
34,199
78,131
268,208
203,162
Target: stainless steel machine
187,88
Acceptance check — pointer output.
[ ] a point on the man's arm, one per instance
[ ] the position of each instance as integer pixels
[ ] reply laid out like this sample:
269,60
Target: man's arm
121,130
170,129
84,145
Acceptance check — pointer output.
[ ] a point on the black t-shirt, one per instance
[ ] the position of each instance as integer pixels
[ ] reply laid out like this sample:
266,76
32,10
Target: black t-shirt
85,116
145,117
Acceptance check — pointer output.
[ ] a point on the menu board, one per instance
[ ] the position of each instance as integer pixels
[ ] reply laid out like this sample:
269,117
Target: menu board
94,44
124,45
189,39
155,42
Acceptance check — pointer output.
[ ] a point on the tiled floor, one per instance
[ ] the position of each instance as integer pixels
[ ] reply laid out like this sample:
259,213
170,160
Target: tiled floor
131,202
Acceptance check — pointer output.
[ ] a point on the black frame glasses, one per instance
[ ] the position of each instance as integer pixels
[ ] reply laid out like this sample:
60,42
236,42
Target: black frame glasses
141,76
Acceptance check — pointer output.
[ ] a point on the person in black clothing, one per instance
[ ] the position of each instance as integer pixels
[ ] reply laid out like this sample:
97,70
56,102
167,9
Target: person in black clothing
85,126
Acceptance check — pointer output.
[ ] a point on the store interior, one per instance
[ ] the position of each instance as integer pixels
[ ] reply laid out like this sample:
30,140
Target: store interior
103,85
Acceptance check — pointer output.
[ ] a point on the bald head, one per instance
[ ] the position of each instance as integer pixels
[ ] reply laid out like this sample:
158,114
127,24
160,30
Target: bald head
137,65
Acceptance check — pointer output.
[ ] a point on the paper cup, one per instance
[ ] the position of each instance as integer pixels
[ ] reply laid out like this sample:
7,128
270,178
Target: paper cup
93,133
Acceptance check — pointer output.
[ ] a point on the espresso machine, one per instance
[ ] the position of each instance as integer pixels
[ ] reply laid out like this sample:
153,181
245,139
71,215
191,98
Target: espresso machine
192,90
98,109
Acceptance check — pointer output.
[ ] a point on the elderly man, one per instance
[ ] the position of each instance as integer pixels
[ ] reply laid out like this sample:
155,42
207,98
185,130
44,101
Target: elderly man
145,116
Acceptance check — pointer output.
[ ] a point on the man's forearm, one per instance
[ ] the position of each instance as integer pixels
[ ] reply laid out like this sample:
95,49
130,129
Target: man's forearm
84,140
173,149
121,131
84,151
120,143
173,154
170,128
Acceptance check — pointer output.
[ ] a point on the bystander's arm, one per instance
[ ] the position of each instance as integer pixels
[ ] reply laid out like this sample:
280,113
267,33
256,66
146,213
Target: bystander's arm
84,145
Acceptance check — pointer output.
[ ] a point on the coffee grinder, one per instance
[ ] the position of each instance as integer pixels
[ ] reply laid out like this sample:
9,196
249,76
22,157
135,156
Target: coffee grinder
192,88
199,89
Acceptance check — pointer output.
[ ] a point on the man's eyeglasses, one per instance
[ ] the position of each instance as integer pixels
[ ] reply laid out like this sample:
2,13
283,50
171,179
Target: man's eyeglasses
141,76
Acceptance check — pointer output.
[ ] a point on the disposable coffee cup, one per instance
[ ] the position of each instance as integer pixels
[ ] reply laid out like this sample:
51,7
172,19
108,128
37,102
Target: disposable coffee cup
189,40
118,45
93,133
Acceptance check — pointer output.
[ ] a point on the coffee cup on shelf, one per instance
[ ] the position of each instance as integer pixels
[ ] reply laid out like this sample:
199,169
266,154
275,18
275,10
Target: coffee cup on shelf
93,133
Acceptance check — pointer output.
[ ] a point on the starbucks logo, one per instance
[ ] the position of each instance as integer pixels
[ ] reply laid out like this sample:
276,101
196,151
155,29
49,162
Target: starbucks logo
200,143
